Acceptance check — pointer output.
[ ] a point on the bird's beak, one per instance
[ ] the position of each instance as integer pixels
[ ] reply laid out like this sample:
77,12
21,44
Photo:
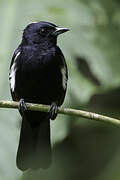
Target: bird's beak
59,30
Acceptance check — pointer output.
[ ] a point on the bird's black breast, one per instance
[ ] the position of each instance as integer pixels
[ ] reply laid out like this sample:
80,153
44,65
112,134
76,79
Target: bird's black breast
39,77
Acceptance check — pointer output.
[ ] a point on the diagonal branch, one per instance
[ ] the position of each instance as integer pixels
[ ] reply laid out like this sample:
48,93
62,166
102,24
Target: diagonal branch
68,111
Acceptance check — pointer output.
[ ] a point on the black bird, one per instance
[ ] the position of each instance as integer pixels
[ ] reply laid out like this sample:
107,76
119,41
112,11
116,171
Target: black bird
38,74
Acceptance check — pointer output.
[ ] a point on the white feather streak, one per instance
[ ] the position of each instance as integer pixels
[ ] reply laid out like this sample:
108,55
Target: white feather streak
13,73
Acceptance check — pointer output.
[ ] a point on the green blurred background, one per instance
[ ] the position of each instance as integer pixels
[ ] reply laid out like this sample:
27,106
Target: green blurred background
82,149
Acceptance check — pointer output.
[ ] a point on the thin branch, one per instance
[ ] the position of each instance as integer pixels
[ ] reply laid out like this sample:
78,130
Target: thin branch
68,111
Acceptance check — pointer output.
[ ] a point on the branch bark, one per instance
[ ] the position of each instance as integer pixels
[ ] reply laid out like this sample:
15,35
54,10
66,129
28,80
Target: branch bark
67,111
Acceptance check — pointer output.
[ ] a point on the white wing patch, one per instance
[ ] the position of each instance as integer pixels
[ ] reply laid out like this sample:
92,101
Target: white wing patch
13,73
64,77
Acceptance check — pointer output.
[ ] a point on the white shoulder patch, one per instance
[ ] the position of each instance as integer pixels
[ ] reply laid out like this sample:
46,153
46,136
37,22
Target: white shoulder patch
64,77
13,73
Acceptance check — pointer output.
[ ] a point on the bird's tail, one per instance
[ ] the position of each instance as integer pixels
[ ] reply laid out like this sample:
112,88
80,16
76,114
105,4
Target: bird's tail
34,149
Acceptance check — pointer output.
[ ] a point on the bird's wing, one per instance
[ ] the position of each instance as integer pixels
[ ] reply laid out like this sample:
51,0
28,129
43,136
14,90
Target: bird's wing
63,68
64,73
12,71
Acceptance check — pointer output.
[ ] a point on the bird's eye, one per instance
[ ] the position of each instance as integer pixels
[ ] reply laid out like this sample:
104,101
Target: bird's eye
42,31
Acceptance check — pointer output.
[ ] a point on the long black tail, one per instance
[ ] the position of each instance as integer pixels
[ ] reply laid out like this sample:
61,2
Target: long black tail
34,149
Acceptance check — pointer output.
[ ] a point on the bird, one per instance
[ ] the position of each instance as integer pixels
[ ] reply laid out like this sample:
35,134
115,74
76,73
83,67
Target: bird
38,74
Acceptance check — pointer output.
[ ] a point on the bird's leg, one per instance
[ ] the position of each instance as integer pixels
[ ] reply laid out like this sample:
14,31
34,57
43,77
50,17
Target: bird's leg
22,106
53,111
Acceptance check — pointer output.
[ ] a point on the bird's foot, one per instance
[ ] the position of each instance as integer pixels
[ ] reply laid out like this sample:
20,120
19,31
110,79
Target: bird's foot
53,111
22,106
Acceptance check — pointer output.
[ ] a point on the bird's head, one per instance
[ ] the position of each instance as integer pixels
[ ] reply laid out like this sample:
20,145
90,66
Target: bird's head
44,33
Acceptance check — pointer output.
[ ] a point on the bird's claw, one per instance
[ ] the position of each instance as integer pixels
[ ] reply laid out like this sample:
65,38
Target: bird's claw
53,111
22,106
